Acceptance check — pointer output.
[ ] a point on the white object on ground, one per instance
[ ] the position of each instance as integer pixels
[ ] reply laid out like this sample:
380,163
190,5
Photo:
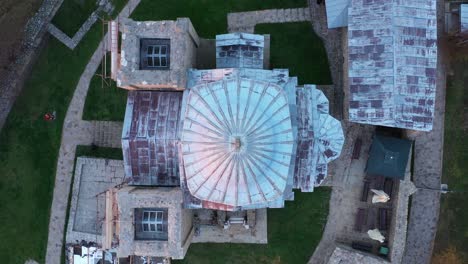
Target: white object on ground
376,235
379,196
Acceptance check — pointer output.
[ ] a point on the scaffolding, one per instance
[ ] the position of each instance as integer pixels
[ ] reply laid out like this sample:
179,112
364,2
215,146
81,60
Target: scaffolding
109,45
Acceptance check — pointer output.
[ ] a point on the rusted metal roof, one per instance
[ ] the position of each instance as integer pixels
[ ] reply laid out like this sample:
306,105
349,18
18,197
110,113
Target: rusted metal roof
392,62
237,142
320,138
150,136
239,50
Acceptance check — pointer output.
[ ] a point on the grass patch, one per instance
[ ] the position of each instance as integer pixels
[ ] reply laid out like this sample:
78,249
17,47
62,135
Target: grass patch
99,152
104,102
72,14
293,234
453,219
209,17
296,46
29,148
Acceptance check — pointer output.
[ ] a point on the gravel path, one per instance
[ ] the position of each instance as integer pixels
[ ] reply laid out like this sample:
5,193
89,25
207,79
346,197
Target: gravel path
246,21
77,132
332,40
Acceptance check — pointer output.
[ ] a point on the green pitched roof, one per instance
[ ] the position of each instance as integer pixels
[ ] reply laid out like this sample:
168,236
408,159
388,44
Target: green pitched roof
388,156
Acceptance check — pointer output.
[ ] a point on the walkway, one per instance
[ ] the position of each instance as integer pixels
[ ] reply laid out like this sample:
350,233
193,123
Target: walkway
246,21
71,43
76,132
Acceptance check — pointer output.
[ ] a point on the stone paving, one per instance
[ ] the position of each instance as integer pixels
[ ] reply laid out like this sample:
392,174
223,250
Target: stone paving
92,178
346,182
236,233
333,42
107,133
246,21
71,43
343,255
75,132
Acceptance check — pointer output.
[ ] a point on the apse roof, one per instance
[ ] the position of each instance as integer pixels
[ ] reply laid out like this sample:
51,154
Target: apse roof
320,138
237,142
392,63
150,136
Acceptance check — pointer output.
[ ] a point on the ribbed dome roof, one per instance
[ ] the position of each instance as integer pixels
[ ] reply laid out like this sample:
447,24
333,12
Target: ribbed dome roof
237,142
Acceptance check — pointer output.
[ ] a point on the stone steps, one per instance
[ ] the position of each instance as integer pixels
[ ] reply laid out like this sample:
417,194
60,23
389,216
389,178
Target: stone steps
107,134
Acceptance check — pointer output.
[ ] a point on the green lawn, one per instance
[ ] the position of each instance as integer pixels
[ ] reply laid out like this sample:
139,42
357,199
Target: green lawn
453,219
293,234
99,152
72,14
296,46
209,17
29,147
104,101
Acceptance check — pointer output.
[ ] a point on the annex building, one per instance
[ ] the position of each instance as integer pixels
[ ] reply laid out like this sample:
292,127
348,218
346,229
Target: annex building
392,60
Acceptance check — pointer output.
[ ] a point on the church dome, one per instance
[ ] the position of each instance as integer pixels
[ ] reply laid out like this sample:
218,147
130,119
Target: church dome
237,142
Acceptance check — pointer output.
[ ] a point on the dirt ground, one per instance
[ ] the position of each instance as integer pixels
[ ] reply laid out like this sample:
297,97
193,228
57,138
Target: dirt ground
14,14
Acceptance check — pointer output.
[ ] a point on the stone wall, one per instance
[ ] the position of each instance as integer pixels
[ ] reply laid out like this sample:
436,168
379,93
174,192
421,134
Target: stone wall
12,84
344,255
